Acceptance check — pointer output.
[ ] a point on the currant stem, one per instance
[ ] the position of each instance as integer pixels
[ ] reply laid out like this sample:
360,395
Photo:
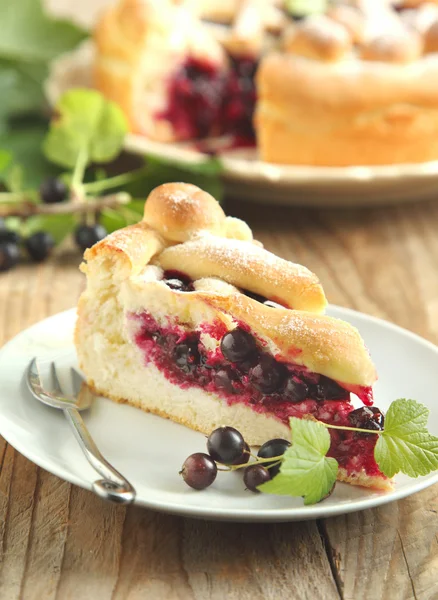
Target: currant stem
28,209
112,182
257,461
345,428
79,172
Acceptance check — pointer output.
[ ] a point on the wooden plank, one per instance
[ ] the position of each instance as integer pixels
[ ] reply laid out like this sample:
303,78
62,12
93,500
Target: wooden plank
388,553
152,564
256,561
91,559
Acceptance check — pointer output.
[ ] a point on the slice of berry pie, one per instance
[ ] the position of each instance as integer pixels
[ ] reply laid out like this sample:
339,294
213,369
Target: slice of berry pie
187,316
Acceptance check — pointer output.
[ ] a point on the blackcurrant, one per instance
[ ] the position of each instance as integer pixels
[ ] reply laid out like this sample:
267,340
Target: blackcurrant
53,190
223,380
254,476
177,281
199,471
268,375
186,355
238,345
225,445
367,417
9,237
295,390
9,255
88,235
271,448
39,245
244,458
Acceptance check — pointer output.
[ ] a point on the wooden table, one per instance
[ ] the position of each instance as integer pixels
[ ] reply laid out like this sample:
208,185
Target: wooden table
58,541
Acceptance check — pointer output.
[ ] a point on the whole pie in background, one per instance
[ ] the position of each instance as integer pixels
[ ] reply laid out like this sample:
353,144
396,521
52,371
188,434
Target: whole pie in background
356,84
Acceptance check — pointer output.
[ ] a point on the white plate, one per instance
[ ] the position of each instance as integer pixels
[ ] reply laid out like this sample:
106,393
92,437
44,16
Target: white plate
247,177
150,450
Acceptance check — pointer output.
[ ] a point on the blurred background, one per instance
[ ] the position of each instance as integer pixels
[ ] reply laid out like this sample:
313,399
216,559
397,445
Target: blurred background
318,104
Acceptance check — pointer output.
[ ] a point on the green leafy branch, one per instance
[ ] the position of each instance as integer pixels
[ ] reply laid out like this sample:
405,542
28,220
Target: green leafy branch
404,445
88,130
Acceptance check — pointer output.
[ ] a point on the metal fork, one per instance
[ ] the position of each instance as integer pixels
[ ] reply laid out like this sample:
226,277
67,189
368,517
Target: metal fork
113,486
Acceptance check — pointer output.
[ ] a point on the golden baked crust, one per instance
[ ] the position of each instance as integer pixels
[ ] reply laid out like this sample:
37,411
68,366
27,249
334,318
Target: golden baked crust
179,210
369,114
248,267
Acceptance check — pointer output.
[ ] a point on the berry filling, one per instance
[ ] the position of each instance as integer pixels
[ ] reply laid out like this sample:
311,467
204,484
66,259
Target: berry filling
204,100
240,371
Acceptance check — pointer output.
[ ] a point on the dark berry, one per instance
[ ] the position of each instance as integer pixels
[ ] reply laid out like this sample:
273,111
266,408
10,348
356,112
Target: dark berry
238,345
9,255
186,355
327,389
175,284
9,237
268,375
39,245
225,445
199,471
254,296
367,418
223,380
272,304
244,457
295,390
379,417
88,235
177,281
254,476
53,190
271,448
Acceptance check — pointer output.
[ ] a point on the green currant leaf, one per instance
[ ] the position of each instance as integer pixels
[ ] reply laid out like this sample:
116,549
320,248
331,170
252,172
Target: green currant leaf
14,178
23,142
85,123
29,35
5,161
305,470
405,444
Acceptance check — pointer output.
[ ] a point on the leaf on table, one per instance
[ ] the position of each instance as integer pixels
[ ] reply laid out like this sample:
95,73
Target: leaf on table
305,471
405,444
59,226
29,35
85,122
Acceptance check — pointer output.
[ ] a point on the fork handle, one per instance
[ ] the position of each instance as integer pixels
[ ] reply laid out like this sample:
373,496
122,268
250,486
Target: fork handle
113,486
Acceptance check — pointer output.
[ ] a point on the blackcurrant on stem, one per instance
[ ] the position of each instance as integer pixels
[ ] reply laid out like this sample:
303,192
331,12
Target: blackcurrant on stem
27,209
